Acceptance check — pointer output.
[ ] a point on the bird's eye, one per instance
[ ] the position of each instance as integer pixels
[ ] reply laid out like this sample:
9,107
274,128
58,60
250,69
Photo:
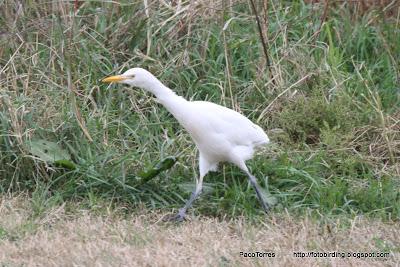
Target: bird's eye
132,76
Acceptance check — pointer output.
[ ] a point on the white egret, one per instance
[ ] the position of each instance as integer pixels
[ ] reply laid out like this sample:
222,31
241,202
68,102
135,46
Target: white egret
220,134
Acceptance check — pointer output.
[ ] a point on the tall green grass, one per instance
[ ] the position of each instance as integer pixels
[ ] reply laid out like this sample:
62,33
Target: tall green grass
331,112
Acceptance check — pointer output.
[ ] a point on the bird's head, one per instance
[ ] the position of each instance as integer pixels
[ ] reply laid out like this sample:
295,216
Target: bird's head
137,77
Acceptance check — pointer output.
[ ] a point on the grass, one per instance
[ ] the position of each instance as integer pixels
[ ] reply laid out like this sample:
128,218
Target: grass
331,111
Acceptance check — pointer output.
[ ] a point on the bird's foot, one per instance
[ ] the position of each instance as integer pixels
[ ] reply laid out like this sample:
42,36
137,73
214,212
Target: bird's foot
263,202
265,206
180,217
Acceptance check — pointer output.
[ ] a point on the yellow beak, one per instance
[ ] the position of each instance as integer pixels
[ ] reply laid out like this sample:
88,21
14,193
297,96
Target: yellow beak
111,79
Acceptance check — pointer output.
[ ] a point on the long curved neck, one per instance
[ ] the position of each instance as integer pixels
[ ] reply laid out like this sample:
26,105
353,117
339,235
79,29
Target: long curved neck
175,104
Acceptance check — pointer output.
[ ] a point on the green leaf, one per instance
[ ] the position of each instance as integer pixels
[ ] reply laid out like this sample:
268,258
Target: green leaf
161,166
65,163
51,152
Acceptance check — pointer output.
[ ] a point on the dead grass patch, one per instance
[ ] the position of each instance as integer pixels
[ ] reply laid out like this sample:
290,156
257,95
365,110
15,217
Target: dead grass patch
81,238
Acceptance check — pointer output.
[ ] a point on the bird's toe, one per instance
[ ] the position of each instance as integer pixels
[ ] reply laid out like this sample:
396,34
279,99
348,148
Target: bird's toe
175,218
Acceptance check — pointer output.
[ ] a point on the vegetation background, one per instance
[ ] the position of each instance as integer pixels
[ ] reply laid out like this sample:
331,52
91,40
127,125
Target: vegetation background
327,92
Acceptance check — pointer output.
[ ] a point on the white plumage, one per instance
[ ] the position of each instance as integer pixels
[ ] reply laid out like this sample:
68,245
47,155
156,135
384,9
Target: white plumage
220,134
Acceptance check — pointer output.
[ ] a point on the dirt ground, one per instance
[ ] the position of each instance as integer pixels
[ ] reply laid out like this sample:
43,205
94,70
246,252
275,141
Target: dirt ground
82,238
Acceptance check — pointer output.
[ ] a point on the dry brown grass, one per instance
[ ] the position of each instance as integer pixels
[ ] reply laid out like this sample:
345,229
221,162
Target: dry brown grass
81,238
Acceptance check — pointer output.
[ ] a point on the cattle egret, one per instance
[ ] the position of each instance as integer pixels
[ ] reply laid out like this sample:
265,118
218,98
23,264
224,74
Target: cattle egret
220,134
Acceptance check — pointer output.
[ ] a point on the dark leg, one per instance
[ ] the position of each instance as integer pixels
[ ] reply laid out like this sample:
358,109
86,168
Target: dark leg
204,167
242,165
254,183
182,212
